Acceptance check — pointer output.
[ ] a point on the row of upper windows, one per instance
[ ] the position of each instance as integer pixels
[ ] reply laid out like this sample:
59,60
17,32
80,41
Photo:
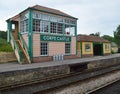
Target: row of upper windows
48,27
38,15
53,18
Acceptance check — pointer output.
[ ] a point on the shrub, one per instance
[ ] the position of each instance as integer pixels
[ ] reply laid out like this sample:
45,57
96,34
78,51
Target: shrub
4,46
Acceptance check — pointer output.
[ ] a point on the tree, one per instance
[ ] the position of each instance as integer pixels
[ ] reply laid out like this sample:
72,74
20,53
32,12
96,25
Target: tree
117,35
95,34
109,38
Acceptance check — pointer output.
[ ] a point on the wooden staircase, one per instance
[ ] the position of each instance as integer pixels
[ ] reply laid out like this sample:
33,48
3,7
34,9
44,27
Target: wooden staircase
19,49
25,58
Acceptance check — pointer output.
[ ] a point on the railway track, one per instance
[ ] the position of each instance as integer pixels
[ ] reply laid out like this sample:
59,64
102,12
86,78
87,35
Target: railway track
59,80
101,87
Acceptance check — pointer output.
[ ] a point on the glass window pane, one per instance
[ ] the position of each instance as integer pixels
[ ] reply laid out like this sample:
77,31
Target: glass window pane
69,30
44,48
24,25
67,48
60,28
53,27
40,26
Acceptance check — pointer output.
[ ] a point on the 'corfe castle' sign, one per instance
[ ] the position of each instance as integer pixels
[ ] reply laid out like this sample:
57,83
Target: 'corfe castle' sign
55,38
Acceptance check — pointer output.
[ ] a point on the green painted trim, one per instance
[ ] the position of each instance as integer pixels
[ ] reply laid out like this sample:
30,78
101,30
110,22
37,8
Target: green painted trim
81,48
93,48
102,48
63,29
9,23
16,48
30,34
76,47
55,38
76,35
76,28
102,53
20,53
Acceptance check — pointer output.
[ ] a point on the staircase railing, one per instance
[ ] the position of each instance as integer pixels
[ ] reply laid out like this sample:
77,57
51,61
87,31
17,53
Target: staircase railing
17,51
25,48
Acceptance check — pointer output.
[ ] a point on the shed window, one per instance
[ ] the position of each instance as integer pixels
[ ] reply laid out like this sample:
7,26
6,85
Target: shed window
67,48
87,47
44,48
107,47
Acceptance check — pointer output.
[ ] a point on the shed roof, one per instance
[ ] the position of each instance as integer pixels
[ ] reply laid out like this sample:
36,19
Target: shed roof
44,9
113,44
90,38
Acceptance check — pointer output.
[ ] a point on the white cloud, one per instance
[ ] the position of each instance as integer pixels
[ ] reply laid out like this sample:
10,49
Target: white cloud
94,15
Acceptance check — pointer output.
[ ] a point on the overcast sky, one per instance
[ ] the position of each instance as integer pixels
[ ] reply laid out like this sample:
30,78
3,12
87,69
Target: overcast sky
93,15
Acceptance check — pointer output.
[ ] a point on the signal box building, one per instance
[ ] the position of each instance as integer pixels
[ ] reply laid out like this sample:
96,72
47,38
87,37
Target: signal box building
92,46
40,34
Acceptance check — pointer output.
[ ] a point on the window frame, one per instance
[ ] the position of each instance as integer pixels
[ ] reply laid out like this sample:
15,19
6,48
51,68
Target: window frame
56,20
67,48
87,47
41,49
107,47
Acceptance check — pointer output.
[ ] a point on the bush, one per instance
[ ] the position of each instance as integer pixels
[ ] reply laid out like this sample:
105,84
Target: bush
112,52
3,34
4,46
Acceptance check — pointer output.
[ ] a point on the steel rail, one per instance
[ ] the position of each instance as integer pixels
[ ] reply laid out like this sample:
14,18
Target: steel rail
103,86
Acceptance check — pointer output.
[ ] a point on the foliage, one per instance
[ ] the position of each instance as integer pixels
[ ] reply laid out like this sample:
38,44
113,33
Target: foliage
117,36
95,34
4,46
109,38
3,34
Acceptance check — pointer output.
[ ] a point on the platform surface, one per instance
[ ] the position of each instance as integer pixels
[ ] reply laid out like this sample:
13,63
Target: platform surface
14,66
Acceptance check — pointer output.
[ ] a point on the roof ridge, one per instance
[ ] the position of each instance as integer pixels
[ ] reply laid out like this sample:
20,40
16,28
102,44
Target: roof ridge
45,7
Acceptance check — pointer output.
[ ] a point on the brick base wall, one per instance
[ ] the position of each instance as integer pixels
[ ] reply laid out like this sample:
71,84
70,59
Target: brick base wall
42,59
50,58
7,57
107,53
87,55
70,57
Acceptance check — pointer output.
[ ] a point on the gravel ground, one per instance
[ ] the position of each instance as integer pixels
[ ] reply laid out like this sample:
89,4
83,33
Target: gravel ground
83,87
111,89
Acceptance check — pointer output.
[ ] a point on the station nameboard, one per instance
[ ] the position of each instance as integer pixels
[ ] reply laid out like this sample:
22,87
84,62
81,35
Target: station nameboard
55,38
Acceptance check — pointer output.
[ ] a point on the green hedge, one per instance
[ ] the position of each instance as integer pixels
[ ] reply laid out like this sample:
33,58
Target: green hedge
4,46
